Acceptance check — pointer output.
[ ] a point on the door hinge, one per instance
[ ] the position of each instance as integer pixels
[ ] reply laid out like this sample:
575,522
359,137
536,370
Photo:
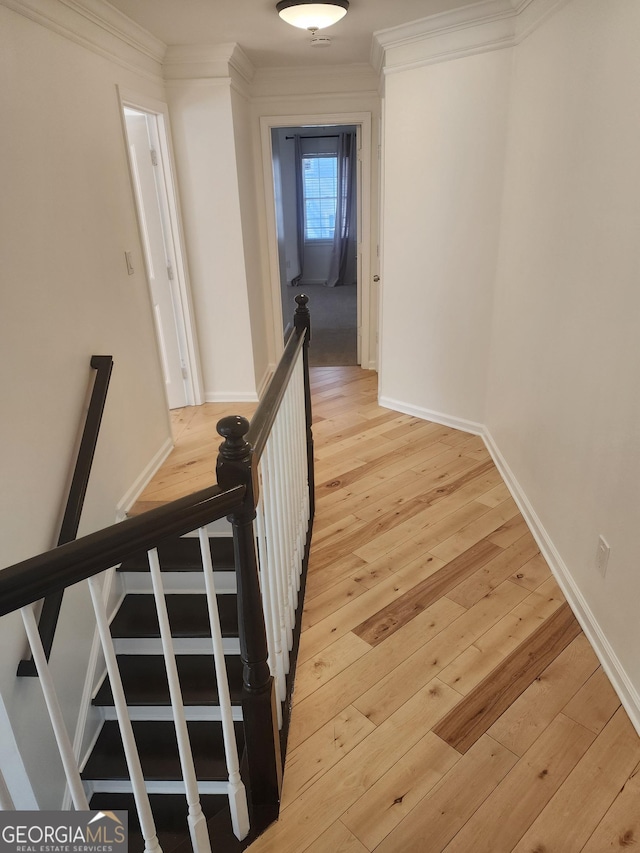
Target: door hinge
154,157
184,371
170,272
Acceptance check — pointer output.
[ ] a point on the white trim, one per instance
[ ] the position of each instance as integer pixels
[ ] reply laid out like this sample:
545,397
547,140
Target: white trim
182,645
362,119
131,495
611,664
163,713
476,28
18,783
178,583
185,313
124,786
198,61
230,397
462,424
264,382
99,27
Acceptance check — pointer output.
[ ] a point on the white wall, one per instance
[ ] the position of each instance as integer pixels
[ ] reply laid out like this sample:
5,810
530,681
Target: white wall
564,391
260,306
443,150
205,150
340,93
66,219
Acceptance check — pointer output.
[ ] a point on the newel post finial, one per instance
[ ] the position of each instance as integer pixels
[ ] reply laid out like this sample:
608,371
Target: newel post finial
233,467
301,316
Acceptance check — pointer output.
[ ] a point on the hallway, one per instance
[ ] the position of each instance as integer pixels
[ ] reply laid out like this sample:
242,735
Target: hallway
446,698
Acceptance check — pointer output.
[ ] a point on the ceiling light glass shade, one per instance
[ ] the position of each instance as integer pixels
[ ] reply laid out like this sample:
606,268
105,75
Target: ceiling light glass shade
312,16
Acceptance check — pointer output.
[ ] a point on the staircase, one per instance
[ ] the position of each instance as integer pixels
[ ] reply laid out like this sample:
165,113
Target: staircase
199,658
137,642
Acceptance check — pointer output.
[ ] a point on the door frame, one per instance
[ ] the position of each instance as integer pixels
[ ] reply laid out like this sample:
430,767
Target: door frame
183,307
363,121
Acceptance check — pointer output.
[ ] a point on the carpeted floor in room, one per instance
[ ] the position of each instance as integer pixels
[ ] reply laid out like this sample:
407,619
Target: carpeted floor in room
333,322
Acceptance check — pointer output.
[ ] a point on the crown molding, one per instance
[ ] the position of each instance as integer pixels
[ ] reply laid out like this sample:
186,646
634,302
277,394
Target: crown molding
99,27
191,62
271,82
476,28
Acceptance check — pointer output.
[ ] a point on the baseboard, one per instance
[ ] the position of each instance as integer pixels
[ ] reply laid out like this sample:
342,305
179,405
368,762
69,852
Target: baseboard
141,482
230,397
616,673
429,415
264,382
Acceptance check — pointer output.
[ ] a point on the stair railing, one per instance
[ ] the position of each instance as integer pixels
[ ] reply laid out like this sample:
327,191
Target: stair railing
25,583
48,621
273,458
277,458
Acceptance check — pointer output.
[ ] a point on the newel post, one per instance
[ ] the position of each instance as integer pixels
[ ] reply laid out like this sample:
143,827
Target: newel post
302,321
235,467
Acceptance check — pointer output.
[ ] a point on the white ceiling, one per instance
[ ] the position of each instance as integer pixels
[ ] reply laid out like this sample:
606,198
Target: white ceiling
265,38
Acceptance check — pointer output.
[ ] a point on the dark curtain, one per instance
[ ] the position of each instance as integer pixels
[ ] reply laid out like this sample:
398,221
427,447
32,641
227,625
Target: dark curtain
345,209
299,207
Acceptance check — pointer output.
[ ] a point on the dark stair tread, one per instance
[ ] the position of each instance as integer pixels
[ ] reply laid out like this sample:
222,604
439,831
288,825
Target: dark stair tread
158,750
188,616
182,554
169,814
145,683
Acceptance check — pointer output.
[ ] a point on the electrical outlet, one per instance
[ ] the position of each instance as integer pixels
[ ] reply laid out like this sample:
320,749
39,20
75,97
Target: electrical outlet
602,555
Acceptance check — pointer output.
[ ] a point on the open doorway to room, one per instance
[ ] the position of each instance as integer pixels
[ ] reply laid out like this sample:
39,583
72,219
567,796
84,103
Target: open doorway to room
158,220
317,205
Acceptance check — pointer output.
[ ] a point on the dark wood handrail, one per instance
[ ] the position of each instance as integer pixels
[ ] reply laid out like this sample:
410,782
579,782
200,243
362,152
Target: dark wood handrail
265,415
33,579
48,621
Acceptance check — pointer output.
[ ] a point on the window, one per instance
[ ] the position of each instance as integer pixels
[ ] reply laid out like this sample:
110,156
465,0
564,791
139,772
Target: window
319,184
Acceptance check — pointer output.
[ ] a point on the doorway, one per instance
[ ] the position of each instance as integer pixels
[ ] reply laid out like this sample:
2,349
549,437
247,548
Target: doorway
340,315
316,192
156,207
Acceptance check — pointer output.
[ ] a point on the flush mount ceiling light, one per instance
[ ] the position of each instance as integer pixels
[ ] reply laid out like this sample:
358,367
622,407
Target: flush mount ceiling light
312,16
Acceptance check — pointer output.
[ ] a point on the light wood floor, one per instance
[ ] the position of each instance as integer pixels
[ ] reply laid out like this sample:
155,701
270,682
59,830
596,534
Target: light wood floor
446,699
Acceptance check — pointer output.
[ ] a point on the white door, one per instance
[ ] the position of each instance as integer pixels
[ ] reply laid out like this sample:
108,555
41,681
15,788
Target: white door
160,274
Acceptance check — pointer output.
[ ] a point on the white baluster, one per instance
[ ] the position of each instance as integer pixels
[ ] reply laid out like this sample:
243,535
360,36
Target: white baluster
267,605
287,432
140,795
273,537
55,713
237,793
196,819
279,450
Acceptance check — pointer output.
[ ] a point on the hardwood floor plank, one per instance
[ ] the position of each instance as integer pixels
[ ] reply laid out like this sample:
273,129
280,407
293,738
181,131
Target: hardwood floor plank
322,634
389,619
489,650
502,819
325,748
482,707
313,812
589,791
387,693
321,668
475,530
314,711
396,793
496,571
337,839
533,573
620,827
595,704
437,818
525,720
